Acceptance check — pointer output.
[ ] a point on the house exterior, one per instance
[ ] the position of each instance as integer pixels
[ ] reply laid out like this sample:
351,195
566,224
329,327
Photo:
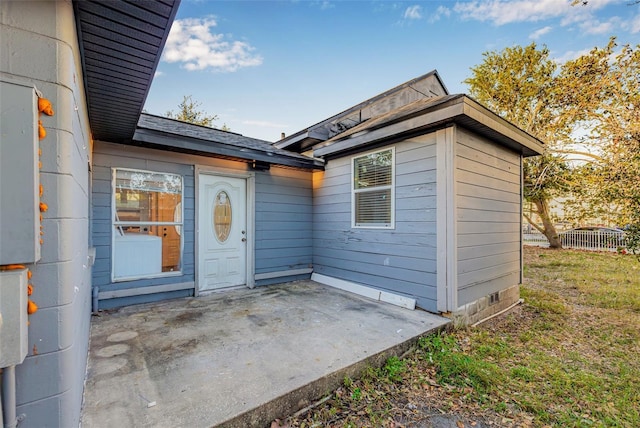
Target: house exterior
240,213
419,198
411,197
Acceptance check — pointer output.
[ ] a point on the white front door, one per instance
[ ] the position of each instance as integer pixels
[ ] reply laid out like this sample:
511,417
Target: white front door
222,232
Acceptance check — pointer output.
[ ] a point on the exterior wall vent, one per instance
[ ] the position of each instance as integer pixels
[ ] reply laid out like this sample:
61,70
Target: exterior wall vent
494,298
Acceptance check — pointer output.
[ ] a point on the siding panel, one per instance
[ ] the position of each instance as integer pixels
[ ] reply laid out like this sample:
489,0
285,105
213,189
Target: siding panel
488,215
400,260
284,214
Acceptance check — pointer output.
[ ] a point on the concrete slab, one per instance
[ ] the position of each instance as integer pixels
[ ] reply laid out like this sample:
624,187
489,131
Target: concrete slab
239,358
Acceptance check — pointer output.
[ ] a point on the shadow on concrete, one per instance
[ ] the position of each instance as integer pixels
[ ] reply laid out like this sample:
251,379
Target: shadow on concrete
238,358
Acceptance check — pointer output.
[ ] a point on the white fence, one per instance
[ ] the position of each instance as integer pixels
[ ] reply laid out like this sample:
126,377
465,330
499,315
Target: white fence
592,240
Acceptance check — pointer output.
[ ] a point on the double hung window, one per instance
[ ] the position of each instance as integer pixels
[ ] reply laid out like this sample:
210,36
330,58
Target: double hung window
373,192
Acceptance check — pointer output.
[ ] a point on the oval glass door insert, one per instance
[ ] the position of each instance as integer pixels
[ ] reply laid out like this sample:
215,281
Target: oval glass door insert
222,216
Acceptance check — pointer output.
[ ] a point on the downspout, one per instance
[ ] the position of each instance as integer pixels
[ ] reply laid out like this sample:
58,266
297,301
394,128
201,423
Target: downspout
9,398
94,295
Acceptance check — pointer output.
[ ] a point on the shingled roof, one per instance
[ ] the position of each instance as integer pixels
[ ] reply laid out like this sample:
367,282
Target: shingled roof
170,134
425,86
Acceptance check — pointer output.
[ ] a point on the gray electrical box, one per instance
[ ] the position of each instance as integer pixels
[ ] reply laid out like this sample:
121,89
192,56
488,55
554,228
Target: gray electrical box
13,317
19,174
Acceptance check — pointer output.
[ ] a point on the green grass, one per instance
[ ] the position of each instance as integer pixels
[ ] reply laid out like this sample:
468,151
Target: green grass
571,357
568,357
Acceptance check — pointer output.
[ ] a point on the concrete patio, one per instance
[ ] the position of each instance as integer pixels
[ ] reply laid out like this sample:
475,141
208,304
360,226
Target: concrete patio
238,358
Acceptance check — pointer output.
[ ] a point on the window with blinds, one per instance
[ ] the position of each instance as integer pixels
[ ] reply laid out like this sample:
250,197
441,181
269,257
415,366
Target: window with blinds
373,189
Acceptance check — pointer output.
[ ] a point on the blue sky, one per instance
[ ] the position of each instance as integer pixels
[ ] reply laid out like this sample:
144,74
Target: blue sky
266,67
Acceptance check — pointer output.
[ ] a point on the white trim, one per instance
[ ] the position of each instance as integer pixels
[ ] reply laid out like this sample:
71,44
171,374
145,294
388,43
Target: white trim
392,187
150,276
283,273
249,177
251,229
452,217
139,291
521,277
363,290
446,230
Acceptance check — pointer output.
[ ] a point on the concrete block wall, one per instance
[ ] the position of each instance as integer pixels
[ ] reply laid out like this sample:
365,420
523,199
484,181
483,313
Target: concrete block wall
40,46
482,308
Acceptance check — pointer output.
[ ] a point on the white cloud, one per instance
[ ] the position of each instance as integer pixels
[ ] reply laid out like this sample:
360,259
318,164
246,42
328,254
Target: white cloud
439,13
413,12
158,74
502,12
540,32
570,55
320,4
635,25
593,26
326,5
192,43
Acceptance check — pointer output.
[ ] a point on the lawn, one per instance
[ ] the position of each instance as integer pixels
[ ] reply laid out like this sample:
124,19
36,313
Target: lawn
569,356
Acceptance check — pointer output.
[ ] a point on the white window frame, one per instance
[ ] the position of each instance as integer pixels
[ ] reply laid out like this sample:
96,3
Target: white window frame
115,226
392,187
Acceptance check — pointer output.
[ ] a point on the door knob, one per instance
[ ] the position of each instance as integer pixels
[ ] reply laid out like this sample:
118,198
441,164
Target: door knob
244,239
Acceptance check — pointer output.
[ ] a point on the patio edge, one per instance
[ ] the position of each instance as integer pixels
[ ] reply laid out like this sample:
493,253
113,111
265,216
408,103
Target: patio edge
302,397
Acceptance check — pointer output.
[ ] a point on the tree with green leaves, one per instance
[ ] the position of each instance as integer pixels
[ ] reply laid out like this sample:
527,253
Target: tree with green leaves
188,111
519,84
609,96
586,111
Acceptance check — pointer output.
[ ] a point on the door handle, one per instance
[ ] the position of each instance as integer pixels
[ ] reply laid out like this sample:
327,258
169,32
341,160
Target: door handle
244,239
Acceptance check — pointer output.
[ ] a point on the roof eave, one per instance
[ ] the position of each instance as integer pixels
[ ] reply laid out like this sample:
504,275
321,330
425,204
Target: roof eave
301,140
184,144
461,110
113,104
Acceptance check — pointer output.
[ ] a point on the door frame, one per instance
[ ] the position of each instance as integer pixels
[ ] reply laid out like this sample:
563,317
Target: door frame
249,178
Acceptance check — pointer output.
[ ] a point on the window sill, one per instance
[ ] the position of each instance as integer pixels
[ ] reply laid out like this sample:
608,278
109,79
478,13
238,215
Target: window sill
136,278
392,227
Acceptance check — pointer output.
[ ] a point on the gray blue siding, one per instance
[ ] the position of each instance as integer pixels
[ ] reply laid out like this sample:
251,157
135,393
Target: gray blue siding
488,216
283,223
283,205
400,260
106,157
50,381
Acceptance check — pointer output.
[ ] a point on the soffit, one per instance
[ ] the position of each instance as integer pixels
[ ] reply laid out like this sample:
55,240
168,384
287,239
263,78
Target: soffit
121,43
